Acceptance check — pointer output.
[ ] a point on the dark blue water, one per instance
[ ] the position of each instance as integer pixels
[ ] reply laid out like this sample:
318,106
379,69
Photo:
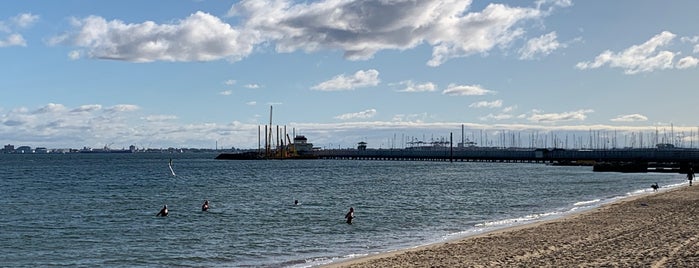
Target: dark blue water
87,210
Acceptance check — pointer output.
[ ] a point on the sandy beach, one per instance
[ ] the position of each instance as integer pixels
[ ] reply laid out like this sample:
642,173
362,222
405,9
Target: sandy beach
653,230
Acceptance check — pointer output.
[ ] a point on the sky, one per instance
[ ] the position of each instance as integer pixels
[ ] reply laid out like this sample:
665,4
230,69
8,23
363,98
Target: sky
204,73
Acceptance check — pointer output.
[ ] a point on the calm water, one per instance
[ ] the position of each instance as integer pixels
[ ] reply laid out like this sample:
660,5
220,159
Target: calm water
99,210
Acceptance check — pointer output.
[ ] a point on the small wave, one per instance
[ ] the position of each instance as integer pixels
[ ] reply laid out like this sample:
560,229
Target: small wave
512,221
586,203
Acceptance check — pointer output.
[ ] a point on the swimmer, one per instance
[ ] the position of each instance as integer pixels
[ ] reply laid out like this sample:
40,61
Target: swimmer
350,215
296,202
163,212
205,206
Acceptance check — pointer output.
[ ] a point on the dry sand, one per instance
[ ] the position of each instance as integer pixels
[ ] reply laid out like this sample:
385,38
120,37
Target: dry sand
654,230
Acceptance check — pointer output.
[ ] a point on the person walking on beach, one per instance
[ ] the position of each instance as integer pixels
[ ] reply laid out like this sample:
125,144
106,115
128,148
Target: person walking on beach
690,175
163,212
350,215
205,206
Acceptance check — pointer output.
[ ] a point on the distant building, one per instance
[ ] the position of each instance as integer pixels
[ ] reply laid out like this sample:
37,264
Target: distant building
361,146
41,150
9,149
24,150
301,144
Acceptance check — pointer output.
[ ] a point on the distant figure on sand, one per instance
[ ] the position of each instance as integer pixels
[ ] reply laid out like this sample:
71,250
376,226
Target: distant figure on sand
690,176
163,212
350,215
655,187
205,206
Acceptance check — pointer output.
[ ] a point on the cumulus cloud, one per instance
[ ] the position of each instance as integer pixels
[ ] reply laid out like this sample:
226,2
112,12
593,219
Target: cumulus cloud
25,20
122,108
230,82
226,92
466,90
579,115
199,37
358,115
12,27
487,104
13,40
86,108
410,86
360,29
630,118
687,62
343,82
252,86
646,57
51,108
540,46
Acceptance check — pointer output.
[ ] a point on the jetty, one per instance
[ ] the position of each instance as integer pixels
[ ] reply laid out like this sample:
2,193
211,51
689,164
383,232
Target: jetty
677,160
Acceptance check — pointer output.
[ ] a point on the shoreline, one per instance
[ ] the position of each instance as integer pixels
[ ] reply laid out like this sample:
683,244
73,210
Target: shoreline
642,230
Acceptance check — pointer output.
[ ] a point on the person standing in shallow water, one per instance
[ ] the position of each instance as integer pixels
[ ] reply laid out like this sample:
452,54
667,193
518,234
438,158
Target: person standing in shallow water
690,176
350,215
205,206
163,212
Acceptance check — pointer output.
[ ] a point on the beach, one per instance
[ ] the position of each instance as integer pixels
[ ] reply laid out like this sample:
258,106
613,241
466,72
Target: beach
651,230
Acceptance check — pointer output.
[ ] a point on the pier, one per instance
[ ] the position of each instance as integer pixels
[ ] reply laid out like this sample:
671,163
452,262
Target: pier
625,160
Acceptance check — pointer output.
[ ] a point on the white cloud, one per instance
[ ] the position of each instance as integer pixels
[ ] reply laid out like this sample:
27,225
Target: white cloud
251,103
630,118
687,62
13,26
122,108
230,82
509,109
159,118
359,115
25,20
74,55
491,117
579,115
51,108
252,86
358,28
410,86
226,92
540,46
13,40
487,104
638,58
87,108
199,37
466,90
342,82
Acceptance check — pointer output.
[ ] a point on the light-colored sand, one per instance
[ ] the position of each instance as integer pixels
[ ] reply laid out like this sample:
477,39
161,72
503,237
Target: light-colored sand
654,230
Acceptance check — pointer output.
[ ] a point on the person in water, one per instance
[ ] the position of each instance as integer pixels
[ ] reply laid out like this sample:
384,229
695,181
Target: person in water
690,176
350,215
163,212
296,202
205,206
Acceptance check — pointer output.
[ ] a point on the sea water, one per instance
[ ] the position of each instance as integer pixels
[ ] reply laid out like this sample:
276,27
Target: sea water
90,210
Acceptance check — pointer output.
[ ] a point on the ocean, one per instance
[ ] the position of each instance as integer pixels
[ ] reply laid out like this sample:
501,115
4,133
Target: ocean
98,210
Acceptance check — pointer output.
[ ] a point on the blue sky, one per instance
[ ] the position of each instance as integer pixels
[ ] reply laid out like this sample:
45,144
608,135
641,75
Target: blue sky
201,73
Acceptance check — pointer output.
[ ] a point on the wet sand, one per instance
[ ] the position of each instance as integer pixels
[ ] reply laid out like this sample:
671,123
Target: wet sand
654,230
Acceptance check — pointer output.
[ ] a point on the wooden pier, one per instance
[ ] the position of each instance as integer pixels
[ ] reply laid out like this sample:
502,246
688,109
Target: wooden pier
629,160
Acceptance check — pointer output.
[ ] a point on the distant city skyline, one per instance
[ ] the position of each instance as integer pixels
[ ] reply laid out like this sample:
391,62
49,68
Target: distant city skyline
203,74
